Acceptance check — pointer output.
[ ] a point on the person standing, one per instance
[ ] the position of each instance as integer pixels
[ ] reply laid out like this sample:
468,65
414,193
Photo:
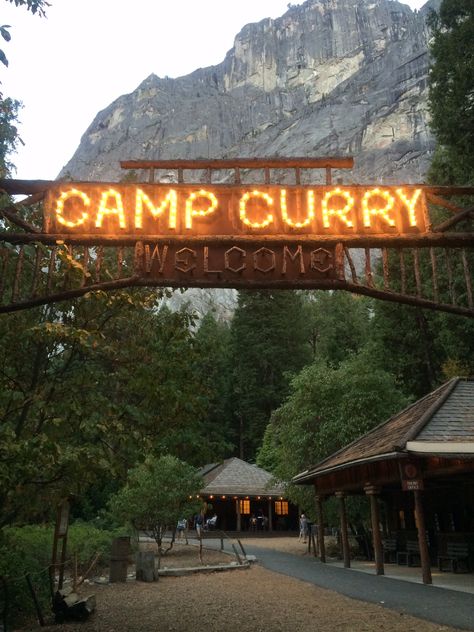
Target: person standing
182,528
303,527
198,524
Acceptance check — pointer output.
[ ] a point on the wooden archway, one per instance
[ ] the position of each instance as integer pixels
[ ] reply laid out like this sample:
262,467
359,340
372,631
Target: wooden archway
429,268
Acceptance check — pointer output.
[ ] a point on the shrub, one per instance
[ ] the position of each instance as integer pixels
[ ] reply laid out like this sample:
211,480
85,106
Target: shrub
28,549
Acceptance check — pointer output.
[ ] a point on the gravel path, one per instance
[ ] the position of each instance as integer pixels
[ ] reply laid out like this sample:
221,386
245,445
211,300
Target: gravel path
251,600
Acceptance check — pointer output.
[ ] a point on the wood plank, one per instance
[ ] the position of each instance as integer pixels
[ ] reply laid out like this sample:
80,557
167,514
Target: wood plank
335,162
428,240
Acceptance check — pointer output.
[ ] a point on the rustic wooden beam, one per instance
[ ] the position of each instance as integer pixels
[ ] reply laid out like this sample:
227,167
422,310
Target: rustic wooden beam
36,271
438,201
25,187
344,529
434,274
422,542
416,266
452,221
12,216
334,162
449,269
18,270
33,199
320,513
468,279
351,264
67,295
369,279
448,190
372,492
438,240
414,301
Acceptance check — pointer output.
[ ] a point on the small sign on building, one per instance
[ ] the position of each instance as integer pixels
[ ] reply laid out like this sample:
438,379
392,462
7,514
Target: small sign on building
411,476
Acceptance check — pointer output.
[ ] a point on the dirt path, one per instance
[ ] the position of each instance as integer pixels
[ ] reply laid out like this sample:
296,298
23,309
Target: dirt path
253,600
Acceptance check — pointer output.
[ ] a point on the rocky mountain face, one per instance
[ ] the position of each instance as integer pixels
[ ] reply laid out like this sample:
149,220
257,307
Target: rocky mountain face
329,77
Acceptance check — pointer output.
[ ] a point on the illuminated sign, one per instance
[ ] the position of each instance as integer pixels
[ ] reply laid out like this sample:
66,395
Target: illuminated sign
141,210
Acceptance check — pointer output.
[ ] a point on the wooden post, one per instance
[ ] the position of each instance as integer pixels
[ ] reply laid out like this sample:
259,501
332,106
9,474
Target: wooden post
344,533
239,518
319,509
372,492
270,515
422,542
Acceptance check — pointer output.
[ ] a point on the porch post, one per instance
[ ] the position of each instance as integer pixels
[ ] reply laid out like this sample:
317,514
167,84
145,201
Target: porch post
237,511
344,533
422,542
319,511
372,492
270,515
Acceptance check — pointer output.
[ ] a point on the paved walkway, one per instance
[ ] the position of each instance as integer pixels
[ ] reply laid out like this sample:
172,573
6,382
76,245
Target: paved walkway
439,605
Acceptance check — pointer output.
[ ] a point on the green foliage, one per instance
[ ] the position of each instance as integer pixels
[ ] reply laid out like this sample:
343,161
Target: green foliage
337,324
451,96
417,344
157,494
29,549
35,6
77,404
211,364
9,138
267,345
405,341
326,409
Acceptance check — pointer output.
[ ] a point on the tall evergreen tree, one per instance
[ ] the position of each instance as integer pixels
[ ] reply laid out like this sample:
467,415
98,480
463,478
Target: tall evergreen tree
337,324
267,344
451,96
211,368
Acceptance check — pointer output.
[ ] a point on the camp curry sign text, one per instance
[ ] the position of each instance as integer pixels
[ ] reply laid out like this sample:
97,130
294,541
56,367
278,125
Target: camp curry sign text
234,234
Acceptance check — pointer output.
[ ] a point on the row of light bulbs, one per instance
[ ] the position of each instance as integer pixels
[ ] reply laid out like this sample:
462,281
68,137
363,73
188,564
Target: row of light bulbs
111,204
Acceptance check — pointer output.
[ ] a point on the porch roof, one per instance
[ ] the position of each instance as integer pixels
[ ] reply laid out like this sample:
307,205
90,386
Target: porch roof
236,477
441,423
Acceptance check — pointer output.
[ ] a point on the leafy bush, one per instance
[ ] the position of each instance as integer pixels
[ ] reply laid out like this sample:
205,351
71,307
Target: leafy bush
28,549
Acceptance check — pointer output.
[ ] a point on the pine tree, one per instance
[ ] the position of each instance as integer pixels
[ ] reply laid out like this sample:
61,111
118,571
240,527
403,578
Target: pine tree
267,343
451,95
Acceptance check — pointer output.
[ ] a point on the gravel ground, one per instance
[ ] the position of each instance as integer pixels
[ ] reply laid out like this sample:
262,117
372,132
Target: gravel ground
250,600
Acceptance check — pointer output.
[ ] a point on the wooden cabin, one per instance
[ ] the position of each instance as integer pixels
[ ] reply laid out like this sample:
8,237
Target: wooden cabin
246,498
417,470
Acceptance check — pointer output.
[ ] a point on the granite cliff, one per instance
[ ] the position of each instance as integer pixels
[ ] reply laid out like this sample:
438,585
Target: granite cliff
329,77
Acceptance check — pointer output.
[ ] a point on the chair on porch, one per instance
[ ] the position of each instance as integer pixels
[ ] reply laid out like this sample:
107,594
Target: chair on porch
389,550
457,555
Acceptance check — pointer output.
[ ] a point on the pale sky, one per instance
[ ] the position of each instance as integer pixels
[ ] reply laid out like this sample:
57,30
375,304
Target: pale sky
67,67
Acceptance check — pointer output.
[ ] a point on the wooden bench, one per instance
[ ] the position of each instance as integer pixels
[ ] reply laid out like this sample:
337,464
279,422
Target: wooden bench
389,549
411,556
457,554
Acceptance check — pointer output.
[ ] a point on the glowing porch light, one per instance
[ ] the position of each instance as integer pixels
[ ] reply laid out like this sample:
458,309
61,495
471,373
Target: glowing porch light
115,209
284,210
142,199
190,212
340,213
243,208
66,195
410,204
382,212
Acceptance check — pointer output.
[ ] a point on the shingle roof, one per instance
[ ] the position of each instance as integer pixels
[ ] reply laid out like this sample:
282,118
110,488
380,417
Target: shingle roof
235,476
444,415
454,420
